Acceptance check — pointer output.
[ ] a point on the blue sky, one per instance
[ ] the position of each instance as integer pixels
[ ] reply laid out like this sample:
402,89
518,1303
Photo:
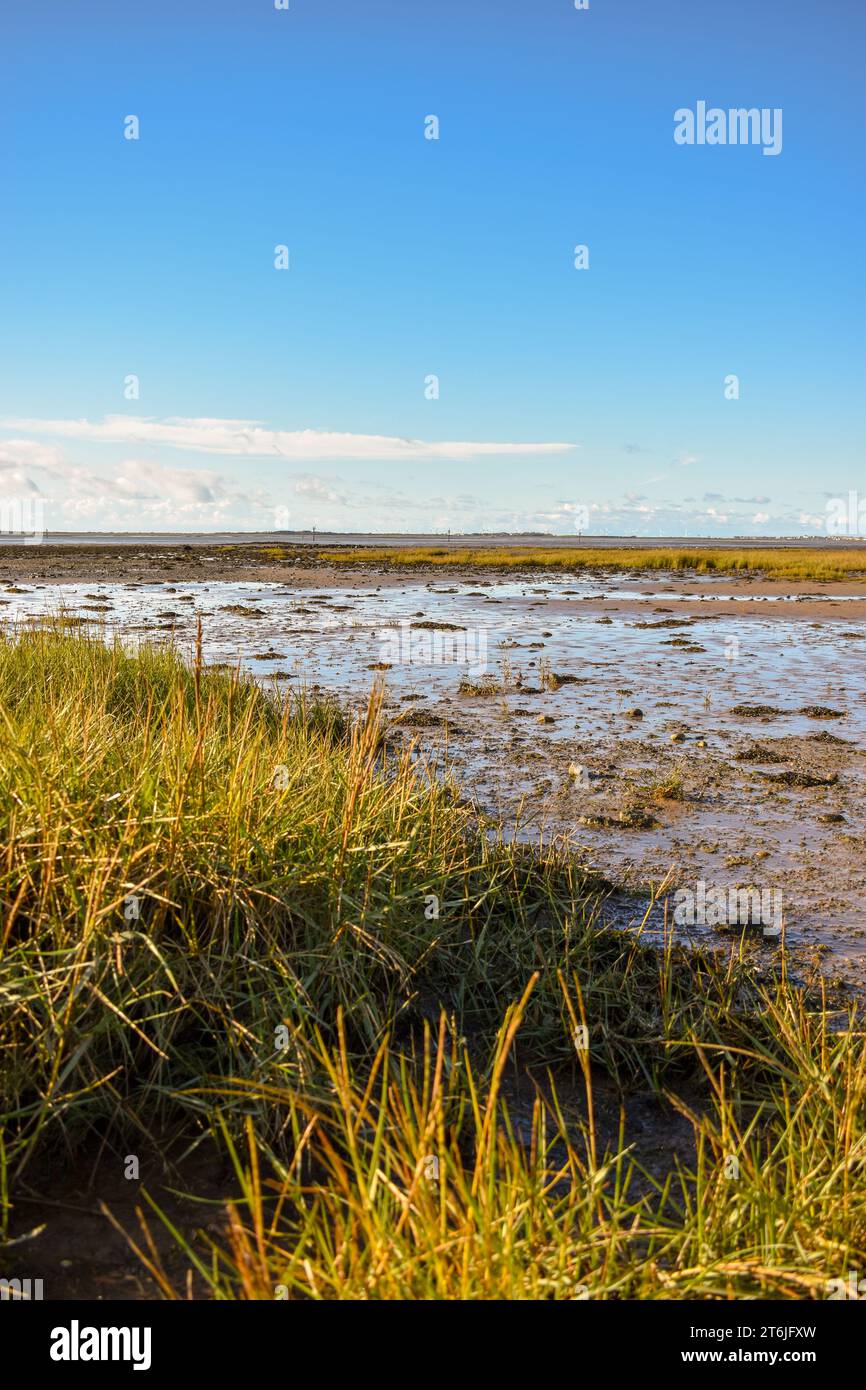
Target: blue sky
297,397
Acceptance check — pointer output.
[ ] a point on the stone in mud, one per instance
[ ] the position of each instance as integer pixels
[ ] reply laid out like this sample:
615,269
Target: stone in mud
667,622
419,718
430,625
488,687
820,712
758,753
636,819
555,680
756,711
801,779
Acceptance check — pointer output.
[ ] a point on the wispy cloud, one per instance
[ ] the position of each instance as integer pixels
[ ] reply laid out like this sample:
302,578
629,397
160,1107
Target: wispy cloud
322,489
17,456
240,438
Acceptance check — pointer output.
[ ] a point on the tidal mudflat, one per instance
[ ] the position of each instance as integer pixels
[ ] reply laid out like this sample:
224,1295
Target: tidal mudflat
376,932
673,730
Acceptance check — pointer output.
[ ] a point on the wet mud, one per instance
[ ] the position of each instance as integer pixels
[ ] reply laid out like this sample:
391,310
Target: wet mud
670,730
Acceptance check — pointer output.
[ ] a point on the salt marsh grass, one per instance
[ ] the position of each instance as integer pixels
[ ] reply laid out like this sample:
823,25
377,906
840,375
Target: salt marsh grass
793,564
283,989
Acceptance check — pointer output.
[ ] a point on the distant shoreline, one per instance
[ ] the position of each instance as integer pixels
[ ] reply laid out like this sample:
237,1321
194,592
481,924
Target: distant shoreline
463,540
344,562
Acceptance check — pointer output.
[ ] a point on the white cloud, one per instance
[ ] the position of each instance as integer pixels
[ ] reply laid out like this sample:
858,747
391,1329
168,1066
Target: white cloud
18,454
139,479
140,493
133,493
250,438
308,485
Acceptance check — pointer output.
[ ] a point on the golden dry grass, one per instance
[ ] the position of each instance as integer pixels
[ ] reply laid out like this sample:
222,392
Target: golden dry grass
782,563
285,993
